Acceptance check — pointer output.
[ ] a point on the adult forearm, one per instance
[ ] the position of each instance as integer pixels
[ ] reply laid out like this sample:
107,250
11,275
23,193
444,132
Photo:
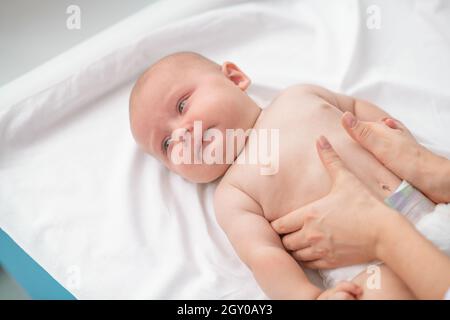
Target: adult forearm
423,267
433,176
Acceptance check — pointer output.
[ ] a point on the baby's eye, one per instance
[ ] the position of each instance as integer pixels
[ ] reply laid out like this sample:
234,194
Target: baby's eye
181,106
165,144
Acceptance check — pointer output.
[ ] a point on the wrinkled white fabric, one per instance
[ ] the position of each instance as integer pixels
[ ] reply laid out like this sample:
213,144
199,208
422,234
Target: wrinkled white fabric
107,221
436,227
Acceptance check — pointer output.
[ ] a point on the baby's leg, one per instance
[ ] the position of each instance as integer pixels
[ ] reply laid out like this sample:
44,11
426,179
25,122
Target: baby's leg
382,284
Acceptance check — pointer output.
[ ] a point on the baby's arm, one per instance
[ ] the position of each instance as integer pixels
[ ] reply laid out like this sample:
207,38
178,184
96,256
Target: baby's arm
260,247
362,109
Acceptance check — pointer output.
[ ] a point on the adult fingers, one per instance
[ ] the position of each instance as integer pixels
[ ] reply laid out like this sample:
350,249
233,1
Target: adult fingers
295,241
317,264
365,133
329,157
293,221
309,254
394,124
391,123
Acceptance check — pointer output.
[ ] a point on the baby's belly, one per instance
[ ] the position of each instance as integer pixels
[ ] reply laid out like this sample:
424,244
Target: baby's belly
302,178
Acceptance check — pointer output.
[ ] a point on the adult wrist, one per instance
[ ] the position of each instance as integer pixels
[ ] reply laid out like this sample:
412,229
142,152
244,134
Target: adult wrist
434,171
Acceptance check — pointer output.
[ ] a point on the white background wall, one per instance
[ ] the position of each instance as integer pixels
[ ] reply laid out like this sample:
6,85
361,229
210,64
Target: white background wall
33,31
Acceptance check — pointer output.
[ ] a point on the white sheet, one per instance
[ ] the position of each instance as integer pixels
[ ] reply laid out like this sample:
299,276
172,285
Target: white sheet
109,222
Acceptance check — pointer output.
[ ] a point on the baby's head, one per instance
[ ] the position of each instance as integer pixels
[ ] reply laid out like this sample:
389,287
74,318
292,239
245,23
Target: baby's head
181,89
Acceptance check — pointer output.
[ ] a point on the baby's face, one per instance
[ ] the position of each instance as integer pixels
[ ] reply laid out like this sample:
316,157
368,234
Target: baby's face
175,95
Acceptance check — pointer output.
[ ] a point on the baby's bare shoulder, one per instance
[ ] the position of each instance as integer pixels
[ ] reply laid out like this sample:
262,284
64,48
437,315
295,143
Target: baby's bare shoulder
297,99
231,198
302,90
291,96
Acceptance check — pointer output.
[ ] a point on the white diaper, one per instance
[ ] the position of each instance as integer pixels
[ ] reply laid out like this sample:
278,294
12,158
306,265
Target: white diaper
416,207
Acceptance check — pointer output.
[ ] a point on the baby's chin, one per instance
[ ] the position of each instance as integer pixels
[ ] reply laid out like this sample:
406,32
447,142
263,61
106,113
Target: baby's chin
205,173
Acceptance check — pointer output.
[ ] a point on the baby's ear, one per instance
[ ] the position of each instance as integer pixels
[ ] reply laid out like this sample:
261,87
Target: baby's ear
232,72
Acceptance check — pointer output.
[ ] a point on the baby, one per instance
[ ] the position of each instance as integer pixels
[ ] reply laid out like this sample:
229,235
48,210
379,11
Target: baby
186,92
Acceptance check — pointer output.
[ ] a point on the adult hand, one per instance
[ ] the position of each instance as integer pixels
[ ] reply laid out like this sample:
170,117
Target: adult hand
339,229
394,146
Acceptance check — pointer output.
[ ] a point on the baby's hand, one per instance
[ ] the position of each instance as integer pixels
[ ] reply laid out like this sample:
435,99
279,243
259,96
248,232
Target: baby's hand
343,291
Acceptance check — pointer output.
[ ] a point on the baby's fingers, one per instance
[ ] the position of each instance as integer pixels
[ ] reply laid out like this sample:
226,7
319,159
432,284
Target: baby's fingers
349,287
341,296
333,294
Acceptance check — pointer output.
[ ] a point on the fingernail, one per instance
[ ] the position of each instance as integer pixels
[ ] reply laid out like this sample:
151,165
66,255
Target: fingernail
274,224
323,143
349,119
391,123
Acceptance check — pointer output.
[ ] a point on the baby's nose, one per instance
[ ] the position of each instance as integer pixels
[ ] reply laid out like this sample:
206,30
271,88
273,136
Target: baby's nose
181,134
189,128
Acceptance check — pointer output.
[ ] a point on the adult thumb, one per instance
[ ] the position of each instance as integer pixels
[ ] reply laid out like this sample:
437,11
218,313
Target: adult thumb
362,132
329,157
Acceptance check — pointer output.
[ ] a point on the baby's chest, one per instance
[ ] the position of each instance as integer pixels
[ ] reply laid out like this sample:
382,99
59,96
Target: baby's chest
292,188
299,177
285,137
